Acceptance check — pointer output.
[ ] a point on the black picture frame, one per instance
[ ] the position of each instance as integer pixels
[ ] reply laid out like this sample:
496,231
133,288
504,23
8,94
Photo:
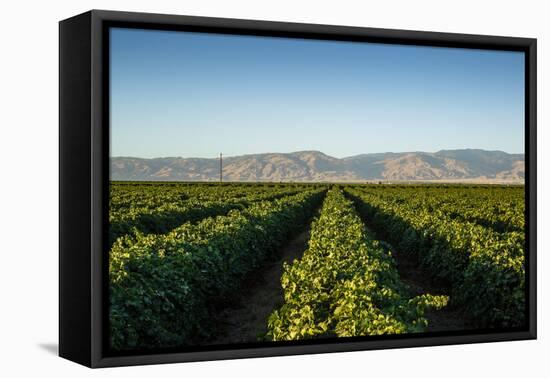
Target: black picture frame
84,174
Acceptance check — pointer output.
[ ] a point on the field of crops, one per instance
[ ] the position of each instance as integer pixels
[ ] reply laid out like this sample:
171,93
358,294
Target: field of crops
180,253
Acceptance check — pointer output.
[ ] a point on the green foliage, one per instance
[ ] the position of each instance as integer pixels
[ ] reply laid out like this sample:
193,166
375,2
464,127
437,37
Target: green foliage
346,284
463,249
158,208
164,288
181,251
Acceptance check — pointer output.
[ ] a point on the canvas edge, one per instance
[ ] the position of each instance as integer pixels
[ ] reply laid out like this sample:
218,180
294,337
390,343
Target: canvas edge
75,305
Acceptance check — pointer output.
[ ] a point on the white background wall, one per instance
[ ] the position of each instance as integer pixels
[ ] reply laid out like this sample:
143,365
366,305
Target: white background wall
29,186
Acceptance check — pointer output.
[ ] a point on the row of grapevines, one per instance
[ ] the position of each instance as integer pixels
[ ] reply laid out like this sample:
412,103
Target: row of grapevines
345,284
164,289
499,208
485,269
133,196
123,196
163,218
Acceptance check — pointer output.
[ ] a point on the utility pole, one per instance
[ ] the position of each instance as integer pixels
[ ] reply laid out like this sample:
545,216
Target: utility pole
221,167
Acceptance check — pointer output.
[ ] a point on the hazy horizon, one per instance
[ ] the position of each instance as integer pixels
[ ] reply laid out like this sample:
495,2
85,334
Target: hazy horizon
198,94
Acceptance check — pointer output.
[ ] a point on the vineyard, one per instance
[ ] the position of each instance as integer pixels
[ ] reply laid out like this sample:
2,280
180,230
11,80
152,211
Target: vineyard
182,254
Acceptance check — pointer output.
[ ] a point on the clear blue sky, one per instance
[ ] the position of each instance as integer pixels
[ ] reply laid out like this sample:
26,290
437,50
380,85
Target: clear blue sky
196,95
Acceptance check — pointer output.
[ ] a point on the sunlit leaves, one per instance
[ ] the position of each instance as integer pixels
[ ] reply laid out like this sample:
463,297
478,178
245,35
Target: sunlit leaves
467,238
165,288
346,284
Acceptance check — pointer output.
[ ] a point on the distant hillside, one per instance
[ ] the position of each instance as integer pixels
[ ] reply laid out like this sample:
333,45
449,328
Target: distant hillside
307,166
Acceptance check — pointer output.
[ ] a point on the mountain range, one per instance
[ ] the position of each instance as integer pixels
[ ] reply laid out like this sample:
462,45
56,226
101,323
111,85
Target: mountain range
466,165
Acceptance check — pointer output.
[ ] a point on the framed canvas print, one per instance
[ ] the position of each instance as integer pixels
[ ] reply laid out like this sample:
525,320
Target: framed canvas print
235,188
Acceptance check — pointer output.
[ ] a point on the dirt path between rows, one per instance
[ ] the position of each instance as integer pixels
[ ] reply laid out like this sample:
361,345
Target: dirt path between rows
419,282
246,320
